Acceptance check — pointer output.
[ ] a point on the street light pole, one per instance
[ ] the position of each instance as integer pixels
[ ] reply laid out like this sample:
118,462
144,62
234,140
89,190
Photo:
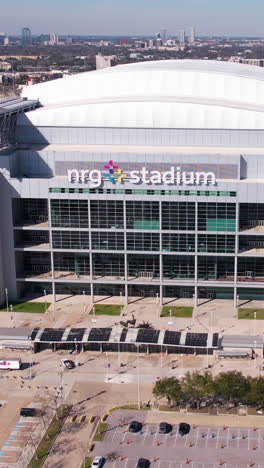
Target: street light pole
11,313
84,302
76,350
45,299
107,367
255,343
157,296
121,301
138,380
6,295
30,364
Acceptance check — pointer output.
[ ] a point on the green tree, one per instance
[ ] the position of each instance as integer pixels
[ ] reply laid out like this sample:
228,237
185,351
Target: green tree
255,395
232,385
196,386
169,388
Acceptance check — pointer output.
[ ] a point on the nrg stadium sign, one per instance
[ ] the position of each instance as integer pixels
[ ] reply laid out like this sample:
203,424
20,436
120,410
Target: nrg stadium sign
113,174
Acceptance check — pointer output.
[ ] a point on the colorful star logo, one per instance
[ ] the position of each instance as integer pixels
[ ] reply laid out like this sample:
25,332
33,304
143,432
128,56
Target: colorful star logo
114,172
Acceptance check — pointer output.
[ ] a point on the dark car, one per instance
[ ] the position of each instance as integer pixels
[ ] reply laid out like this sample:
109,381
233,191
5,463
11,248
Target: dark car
184,428
28,412
143,463
164,428
135,426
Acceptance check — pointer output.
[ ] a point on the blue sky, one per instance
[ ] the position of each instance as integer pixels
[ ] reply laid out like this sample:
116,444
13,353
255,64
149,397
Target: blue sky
227,17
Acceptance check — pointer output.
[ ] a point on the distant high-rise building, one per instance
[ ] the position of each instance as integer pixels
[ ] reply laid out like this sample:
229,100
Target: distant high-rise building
26,36
157,35
182,36
54,39
124,41
163,36
104,61
191,38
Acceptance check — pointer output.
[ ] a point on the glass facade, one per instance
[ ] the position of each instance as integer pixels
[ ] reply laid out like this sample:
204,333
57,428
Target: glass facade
178,216
216,217
142,215
163,247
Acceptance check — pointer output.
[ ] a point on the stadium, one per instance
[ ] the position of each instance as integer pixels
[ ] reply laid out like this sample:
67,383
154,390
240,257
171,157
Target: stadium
141,180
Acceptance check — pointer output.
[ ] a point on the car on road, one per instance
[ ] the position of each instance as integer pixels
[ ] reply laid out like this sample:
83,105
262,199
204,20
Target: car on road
135,426
164,428
67,364
143,463
184,428
98,462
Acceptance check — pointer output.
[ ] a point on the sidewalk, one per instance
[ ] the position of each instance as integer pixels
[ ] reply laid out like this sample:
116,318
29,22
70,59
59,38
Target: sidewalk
205,420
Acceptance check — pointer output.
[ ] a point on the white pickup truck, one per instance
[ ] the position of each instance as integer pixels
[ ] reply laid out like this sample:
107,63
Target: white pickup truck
10,364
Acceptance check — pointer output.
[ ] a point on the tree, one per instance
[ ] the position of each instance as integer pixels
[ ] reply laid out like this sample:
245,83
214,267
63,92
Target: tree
169,388
232,385
255,396
196,386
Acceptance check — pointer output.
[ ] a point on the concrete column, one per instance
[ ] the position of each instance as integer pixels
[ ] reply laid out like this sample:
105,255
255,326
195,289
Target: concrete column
54,291
92,293
126,293
195,296
235,297
161,278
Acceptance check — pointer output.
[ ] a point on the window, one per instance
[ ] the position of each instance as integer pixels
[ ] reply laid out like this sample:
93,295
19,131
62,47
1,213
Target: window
107,241
178,242
107,214
142,215
142,241
216,216
178,215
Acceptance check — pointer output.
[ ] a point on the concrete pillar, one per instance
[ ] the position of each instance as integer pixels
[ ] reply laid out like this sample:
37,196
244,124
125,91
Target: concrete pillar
92,293
53,291
195,296
235,297
126,293
161,295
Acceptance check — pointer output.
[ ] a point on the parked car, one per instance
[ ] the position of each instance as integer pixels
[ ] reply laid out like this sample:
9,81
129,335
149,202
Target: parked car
98,462
135,426
184,428
67,363
164,428
27,412
143,463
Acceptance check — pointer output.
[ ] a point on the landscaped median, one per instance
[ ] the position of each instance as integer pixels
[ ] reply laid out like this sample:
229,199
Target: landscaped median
32,307
106,309
176,311
249,314
49,437
100,432
87,463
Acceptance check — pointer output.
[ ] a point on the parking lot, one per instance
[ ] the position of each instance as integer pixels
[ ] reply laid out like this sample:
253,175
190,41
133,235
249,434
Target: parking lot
203,447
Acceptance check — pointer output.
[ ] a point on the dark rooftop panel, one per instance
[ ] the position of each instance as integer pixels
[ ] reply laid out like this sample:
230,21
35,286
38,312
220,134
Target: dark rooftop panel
147,336
172,338
76,333
99,334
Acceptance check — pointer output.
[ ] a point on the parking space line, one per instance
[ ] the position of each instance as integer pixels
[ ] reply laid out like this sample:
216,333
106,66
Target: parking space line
228,435
197,434
238,438
113,436
176,437
217,438
248,440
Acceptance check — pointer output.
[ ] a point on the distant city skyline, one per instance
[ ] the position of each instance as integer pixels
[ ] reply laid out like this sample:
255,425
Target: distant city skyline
127,17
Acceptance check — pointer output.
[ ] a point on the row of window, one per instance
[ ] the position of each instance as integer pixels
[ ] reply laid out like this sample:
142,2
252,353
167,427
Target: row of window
201,193
109,214
143,266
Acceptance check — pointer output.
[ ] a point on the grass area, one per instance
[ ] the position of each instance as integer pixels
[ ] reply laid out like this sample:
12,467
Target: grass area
176,311
47,442
100,432
248,314
106,309
88,462
33,307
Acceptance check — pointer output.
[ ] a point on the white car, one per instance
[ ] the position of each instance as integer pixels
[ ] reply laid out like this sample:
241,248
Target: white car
98,462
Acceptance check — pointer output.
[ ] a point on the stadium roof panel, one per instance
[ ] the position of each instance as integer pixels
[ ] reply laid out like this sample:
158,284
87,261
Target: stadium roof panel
164,94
